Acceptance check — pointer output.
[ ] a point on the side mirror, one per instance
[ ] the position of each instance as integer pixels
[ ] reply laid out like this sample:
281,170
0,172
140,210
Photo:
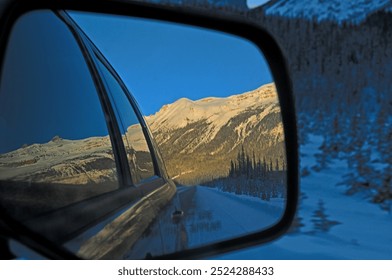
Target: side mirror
211,165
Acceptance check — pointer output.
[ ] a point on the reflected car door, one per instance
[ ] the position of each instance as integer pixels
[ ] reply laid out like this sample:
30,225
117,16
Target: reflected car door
77,185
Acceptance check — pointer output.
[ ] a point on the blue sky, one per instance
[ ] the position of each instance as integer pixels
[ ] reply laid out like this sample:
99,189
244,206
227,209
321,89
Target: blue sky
161,62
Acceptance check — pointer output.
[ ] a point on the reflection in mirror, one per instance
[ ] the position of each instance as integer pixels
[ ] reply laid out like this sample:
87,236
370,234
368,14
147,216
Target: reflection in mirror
58,173
211,106
54,144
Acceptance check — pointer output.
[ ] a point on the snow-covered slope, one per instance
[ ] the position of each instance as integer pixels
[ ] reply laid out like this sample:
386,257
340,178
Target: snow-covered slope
217,113
198,139
351,11
61,161
76,162
330,224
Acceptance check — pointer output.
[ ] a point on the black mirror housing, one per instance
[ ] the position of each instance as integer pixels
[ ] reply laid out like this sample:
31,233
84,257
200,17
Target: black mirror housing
238,26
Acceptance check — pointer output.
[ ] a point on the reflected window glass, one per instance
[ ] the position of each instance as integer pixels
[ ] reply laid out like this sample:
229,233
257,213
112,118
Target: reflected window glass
55,147
212,106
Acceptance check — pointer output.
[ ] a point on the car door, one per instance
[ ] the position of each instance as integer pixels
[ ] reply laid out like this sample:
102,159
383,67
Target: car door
78,162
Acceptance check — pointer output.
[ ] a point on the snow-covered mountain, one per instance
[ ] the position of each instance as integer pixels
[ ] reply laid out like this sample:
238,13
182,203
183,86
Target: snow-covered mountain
199,138
241,113
350,11
192,135
61,161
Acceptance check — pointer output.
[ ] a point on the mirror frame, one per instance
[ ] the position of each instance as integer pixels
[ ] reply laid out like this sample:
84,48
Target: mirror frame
11,10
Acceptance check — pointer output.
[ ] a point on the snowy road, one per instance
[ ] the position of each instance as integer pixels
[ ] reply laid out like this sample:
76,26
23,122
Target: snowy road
209,216
214,216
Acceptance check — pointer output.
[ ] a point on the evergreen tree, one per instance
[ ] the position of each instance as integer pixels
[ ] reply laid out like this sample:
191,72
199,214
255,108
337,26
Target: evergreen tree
320,219
232,171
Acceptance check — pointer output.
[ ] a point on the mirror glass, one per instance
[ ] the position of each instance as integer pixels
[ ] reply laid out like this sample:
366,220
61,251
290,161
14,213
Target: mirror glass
210,104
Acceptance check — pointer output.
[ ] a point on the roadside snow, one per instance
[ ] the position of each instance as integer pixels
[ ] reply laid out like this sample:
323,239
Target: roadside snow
363,230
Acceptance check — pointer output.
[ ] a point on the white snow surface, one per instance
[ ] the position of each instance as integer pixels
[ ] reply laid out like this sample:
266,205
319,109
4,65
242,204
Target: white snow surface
364,231
352,11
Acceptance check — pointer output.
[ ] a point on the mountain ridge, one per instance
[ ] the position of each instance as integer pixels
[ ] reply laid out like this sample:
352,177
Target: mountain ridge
208,133
198,140
215,111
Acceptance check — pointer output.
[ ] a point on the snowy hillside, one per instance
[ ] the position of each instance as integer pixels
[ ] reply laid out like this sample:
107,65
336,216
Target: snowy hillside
218,112
208,133
351,11
61,161
71,162
329,224
340,75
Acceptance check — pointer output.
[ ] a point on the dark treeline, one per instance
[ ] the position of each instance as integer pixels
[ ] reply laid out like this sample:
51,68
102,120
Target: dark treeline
255,177
251,168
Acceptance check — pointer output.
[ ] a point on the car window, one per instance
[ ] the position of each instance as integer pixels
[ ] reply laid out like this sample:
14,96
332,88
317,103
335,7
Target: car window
55,147
138,152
